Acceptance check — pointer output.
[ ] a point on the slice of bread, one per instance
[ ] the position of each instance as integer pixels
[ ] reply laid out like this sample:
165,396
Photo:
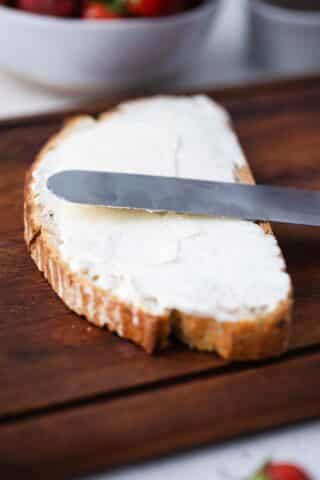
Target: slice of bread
219,285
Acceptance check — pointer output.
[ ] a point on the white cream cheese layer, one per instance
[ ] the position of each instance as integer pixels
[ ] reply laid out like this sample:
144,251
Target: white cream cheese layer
222,268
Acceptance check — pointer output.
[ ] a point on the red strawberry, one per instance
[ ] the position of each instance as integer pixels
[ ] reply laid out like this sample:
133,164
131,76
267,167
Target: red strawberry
154,8
280,471
58,8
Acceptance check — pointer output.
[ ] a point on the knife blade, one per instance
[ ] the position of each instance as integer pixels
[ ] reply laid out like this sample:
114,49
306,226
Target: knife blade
182,195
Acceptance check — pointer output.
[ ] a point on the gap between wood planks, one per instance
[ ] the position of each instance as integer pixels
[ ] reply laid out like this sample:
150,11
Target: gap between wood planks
237,369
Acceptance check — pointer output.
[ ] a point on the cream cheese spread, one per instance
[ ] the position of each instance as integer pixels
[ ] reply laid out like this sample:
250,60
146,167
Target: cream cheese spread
223,268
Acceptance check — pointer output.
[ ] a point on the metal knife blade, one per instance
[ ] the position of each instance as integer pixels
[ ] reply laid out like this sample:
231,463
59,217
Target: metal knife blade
197,197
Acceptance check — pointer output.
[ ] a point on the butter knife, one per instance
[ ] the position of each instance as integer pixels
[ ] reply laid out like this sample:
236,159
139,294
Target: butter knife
182,195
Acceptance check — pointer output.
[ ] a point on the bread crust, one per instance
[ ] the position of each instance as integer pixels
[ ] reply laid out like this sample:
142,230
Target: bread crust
247,339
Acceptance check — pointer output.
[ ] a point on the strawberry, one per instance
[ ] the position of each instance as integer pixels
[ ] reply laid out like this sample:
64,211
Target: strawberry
103,9
97,11
58,8
280,471
154,8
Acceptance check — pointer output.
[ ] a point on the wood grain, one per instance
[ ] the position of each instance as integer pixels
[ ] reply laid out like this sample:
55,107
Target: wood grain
77,398
153,422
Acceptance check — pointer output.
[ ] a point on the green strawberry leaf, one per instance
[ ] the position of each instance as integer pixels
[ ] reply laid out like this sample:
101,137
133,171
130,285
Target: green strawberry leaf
117,6
261,473
258,476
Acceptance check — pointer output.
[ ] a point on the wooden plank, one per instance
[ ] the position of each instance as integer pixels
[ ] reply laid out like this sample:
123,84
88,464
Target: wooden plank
56,371
153,422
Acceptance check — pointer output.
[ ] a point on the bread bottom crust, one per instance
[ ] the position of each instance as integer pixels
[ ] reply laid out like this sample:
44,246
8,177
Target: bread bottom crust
243,340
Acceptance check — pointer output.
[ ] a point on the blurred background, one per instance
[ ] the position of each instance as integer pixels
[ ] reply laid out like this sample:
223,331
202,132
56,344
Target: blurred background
232,42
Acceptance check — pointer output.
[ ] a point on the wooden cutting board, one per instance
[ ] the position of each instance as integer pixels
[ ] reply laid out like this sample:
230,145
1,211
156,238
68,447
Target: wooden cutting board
75,399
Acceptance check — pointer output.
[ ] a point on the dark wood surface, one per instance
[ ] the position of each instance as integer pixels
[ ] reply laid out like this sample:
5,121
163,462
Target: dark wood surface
75,399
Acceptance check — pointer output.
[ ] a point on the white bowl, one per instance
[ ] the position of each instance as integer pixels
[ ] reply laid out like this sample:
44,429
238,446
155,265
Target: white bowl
101,55
282,39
